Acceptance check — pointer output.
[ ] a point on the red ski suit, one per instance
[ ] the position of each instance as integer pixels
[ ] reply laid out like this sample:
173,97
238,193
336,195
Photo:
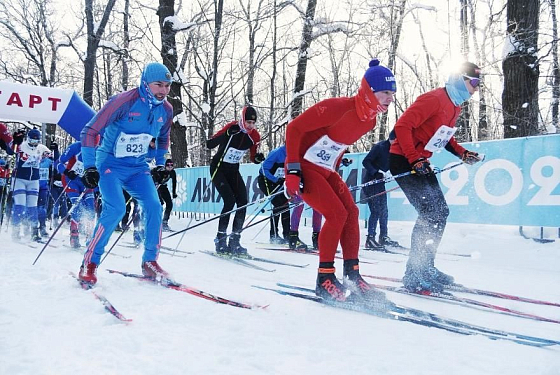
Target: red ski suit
420,122
344,121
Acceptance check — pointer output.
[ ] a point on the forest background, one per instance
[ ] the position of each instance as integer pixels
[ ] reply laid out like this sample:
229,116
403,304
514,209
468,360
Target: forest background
284,56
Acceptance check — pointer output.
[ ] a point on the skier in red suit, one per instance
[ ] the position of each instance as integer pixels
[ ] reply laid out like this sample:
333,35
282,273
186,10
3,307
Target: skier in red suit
428,126
315,143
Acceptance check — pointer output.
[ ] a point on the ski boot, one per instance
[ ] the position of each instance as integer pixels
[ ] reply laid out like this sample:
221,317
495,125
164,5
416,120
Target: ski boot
35,235
138,237
165,227
87,274
371,244
221,243
295,242
363,292
421,281
235,247
442,278
387,241
152,270
75,239
277,240
43,230
328,287
315,240
15,233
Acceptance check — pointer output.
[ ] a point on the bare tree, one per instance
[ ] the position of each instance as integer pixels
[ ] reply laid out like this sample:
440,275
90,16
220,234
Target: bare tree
303,57
29,25
555,67
94,33
521,69
179,148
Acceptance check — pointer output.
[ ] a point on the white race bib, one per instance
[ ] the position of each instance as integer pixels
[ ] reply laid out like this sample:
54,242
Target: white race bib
325,152
78,167
279,173
43,174
57,183
233,155
132,145
440,139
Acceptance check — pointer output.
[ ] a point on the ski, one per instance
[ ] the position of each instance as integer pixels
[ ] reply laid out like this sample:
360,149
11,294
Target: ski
108,305
310,252
35,244
186,289
170,253
130,245
175,250
481,292
237,260
382,251
424,318
450,298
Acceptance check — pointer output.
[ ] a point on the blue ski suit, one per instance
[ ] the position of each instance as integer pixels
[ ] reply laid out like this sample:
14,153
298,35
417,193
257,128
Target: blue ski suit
126,124
71,159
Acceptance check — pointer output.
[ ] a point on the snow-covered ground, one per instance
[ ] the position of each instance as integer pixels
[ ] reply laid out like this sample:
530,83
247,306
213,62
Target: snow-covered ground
48,325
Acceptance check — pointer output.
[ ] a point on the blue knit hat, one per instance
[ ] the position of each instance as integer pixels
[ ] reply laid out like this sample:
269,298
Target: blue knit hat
156,72
379,77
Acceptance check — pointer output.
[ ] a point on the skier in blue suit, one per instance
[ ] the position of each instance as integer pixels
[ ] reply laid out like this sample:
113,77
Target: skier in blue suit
126,124
71,166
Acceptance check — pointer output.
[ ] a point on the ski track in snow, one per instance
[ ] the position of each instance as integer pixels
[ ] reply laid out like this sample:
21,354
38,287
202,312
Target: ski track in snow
49,325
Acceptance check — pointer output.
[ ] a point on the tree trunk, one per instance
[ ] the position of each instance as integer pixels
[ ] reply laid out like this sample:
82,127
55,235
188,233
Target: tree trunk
463,125
179,149
521,70
397,19
271,138
126,44
306,39
93,38
555,67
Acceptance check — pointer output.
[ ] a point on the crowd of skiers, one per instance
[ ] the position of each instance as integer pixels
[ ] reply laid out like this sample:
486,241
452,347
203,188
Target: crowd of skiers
111,160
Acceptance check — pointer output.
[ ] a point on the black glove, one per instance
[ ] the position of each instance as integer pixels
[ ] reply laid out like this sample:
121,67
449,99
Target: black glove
346,162
259,157
470,157
90,178
54,146
160,175
18,136
421,166
280,181
378,176
234,129
174,195
70,174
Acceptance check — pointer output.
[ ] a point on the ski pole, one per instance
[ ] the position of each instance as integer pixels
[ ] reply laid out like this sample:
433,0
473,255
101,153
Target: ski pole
124,230
393,178
225,213
202,197
60,224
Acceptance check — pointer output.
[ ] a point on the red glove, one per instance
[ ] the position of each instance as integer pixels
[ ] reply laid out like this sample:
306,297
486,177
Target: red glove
470,157
294,183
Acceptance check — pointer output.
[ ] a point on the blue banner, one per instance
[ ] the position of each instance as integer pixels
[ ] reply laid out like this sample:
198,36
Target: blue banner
517,184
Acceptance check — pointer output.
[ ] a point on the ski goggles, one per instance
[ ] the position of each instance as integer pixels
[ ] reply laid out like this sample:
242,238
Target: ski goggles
475,82
32,142
169,165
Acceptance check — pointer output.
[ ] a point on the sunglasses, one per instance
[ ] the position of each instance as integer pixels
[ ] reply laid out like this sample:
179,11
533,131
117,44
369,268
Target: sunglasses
475,82
169,165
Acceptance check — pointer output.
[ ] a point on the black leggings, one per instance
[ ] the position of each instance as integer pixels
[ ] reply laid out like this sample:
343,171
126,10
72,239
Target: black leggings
424,193
231,187
279,204
165,197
